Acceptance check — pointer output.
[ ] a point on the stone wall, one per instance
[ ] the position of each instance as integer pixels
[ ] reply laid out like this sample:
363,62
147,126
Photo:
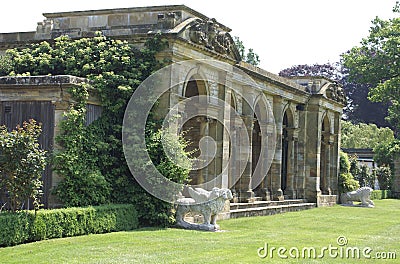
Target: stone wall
303,112
44,98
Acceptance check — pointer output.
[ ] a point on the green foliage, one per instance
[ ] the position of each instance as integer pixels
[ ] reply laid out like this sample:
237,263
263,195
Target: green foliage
238,245
92,162
27,226
15,227
249,57
22,162
361,173
364,135
384,176
344,163
385,153
365,177
375,62
380,194
346,182
358,108
5,65
355,168
83,184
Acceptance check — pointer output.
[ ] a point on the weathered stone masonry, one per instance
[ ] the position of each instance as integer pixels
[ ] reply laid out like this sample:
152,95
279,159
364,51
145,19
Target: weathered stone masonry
306,111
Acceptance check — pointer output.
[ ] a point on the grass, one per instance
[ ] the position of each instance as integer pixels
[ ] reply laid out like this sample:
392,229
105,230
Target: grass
377,228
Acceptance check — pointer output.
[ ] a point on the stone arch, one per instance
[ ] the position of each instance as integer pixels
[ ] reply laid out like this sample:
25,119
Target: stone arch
288,156
195,86
234,141
198,126
233,100
261,100
259,151
325,154
195,79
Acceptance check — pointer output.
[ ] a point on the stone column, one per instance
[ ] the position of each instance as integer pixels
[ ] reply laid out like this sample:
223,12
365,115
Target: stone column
264,186
335,165
301,152
204,131
227,135
296,168
277,161
292,163
246,193
329,166
60,107
313,153
335,154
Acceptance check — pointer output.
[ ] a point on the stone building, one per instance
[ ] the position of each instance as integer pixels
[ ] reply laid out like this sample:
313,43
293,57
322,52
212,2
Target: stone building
304,113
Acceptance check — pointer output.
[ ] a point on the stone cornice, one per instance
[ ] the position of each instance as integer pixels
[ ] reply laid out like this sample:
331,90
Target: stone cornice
42,80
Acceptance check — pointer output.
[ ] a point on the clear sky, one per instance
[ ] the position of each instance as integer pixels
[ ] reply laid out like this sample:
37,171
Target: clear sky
283,32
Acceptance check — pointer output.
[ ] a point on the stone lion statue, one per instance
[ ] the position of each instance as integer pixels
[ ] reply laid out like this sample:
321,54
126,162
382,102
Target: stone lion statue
206,203
362,195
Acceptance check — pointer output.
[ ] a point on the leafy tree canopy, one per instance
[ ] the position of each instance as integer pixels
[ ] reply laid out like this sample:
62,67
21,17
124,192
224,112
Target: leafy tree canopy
250,56
376,63
359,108
364,135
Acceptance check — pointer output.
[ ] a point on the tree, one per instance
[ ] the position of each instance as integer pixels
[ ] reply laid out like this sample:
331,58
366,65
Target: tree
376,63
364,135
385,153
359,109
384,176
249,57
22,162
347,183
92,161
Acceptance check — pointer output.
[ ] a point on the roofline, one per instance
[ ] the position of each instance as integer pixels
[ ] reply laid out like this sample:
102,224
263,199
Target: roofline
276,79
132,10
312,77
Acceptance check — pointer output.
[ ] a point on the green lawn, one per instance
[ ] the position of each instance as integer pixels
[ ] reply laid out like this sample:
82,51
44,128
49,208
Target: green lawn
377,228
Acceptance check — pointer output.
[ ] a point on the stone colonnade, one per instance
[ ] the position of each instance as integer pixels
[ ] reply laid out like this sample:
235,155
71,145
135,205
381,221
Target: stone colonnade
302,160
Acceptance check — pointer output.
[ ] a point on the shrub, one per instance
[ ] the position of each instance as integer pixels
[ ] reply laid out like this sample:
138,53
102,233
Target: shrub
384,175
20,227
15,227
365,177
346,182
91,160
344,163
361,173
380,194
21,164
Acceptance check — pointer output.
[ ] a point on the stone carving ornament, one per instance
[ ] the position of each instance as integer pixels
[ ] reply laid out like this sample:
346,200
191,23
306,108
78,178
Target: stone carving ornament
335,92
362,195
206,33
207,203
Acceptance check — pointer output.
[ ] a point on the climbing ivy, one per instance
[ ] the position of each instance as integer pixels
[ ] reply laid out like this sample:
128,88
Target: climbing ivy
91,161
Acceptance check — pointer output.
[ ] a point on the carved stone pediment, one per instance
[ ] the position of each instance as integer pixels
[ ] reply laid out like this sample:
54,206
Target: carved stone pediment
208,34
336,93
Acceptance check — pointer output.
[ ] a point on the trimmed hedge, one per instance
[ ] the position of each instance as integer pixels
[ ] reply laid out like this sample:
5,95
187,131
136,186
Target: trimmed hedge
380,194
25,226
